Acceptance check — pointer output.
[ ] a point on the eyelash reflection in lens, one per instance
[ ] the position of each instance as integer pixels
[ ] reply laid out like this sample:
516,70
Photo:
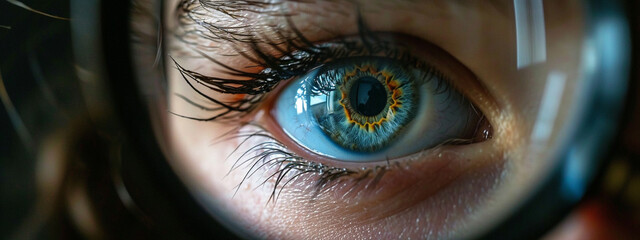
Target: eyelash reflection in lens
372,109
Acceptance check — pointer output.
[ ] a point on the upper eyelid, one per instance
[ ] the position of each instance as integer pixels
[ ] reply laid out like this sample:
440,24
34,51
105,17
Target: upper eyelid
288,33
255,87
256,84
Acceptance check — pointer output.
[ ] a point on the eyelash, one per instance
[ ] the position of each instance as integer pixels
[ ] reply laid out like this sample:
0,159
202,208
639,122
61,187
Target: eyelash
300,56
271,153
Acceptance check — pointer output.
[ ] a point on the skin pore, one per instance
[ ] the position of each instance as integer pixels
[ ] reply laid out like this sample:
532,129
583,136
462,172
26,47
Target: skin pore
436,193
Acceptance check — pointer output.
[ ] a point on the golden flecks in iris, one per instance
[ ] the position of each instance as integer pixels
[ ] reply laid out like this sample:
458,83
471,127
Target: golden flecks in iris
370,123
394,88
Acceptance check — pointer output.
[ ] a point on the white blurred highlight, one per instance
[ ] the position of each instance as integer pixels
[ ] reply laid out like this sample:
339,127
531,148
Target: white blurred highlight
548,111
530,32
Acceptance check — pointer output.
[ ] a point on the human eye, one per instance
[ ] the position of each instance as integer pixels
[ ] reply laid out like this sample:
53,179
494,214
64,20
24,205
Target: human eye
305,123
376,108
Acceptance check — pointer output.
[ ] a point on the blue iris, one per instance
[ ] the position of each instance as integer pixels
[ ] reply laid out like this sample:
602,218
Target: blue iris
371,108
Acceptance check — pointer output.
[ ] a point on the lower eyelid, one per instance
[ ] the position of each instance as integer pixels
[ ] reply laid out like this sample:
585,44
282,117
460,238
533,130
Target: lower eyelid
420,175
418,179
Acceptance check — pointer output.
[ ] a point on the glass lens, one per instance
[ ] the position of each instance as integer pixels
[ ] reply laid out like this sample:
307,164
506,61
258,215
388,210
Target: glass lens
365,119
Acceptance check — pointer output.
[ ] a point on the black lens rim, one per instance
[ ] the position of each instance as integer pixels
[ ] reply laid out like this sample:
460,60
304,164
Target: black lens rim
102,34
594,138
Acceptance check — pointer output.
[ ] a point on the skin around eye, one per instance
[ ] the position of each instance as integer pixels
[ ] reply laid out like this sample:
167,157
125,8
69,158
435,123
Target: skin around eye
432,194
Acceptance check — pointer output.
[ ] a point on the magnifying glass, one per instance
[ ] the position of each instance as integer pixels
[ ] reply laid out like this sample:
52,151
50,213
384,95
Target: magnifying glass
402,119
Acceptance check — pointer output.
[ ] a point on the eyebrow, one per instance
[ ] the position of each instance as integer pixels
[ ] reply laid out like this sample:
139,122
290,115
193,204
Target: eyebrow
238,9
209,23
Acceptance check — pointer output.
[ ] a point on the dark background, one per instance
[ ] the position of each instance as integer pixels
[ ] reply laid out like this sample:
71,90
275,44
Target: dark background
37,71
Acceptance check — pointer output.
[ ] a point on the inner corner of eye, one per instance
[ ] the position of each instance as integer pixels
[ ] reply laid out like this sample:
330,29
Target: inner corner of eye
364,108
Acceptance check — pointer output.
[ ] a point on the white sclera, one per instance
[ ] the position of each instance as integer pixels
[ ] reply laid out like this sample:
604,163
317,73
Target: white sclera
441,116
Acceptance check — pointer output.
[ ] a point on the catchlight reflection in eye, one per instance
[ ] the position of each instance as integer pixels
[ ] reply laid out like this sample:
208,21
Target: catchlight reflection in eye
373,108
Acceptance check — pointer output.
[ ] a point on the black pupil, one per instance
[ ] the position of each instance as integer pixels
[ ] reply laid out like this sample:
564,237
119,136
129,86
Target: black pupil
368,96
